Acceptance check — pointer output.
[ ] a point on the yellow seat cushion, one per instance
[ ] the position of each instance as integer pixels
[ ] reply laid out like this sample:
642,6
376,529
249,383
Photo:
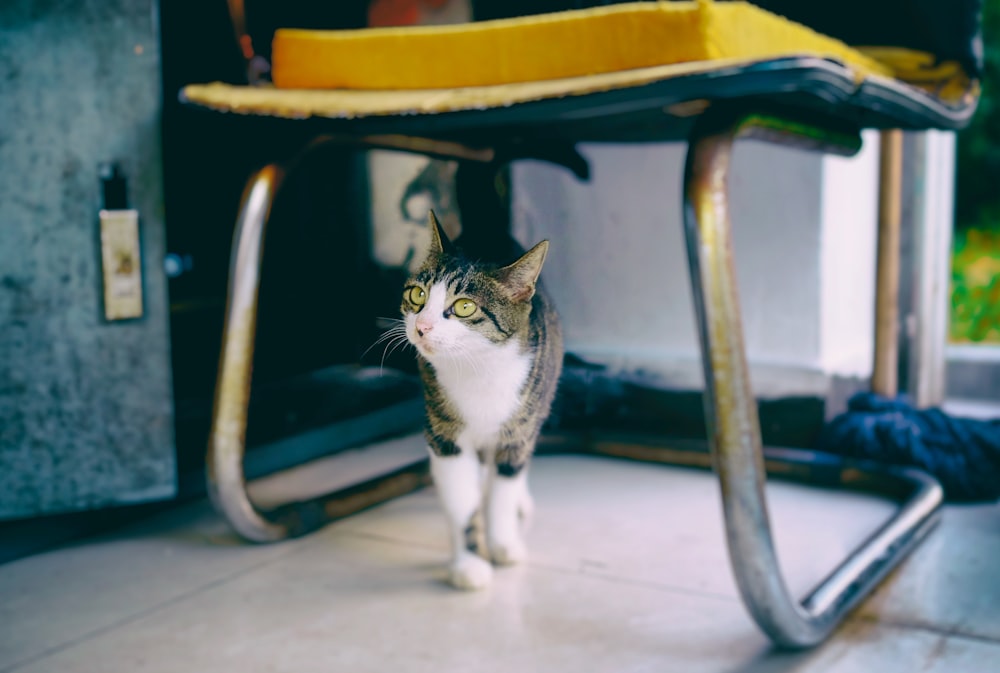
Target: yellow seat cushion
549,46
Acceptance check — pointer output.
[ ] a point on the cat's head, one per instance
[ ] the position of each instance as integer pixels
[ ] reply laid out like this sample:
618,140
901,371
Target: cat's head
455,308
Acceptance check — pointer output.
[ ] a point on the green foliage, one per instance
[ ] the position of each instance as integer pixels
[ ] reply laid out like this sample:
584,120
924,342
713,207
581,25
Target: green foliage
975,286
975,277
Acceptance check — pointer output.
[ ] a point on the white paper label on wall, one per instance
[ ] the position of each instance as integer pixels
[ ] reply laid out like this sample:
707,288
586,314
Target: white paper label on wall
122,264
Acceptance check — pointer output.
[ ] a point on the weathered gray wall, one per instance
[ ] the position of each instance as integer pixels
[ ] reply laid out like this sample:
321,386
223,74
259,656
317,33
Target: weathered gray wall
85,406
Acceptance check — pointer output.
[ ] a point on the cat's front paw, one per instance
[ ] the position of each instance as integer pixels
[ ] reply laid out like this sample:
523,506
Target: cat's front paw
508,552
470,572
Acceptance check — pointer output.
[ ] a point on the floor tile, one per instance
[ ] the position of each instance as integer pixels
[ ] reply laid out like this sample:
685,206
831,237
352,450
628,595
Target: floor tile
952,581
355,604
628,572
67,594
349,603
653,524
860,647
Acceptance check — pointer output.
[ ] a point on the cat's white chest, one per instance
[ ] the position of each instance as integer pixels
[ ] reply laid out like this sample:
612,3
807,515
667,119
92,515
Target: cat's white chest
485,393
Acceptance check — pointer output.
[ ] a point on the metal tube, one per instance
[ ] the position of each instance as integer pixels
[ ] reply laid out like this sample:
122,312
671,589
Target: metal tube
885,371
227,486
731,413
860,572
224,463
730,408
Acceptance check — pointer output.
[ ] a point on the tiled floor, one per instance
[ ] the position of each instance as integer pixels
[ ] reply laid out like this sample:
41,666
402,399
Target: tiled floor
628,572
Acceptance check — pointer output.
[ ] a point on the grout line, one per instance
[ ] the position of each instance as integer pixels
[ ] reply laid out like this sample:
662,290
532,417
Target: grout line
945,631
627,581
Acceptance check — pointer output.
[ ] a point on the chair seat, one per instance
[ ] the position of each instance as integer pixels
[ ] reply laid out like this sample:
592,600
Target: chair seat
636,71
646,104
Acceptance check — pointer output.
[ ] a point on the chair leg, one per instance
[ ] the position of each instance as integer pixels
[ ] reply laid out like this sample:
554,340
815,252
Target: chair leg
227,486
733,425
886,361
226,480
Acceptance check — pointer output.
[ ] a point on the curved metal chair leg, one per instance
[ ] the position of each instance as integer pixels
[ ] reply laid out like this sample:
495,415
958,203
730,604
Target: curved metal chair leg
227,443
226,480
224,462
731,409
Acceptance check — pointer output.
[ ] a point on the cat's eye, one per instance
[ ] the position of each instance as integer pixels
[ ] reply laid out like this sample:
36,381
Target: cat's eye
463,308
417,296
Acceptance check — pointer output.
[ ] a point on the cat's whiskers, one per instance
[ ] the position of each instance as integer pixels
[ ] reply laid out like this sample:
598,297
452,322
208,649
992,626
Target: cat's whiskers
391,346
394,331
393,338
394,334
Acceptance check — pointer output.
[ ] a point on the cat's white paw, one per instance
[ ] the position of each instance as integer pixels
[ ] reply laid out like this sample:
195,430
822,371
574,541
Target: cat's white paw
508,552
470,572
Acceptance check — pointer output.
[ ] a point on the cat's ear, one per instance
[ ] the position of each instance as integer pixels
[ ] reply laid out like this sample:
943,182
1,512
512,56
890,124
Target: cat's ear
520,277
440,243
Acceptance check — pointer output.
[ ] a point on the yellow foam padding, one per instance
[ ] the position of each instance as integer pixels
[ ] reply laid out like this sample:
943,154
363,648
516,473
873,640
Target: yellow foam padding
347,104
561,45
945,80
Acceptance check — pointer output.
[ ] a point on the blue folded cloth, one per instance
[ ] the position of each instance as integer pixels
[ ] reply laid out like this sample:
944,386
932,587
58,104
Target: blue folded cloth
963,453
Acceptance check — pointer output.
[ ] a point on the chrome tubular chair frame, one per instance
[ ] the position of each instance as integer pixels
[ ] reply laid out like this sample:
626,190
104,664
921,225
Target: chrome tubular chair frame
227,441
736,452
731,409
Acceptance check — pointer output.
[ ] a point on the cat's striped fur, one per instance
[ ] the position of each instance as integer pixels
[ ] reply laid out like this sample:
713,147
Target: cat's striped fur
489,380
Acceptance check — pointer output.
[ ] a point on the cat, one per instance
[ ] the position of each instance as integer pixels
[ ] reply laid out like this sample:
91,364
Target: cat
490,355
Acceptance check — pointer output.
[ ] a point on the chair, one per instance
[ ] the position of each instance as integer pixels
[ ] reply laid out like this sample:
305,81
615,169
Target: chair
806,94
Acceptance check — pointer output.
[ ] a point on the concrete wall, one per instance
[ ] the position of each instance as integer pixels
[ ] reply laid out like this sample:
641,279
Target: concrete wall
804,228
85,406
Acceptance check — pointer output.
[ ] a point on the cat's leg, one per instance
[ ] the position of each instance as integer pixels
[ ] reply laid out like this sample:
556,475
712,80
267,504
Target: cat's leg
509,504
456,475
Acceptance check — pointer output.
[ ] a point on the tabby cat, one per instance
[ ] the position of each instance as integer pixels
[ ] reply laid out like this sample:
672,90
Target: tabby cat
490,354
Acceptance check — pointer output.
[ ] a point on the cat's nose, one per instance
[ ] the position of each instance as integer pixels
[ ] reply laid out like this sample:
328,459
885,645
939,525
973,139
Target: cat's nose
423,329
